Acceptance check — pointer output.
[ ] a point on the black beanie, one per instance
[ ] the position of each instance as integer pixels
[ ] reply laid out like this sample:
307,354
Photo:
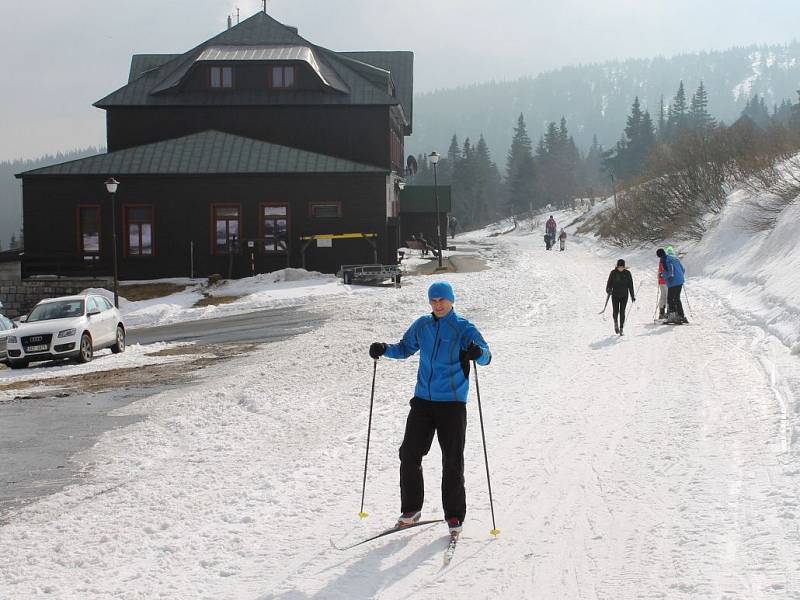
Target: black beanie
621,262
660,253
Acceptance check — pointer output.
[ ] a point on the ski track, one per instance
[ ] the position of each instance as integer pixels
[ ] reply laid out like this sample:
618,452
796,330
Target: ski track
660,464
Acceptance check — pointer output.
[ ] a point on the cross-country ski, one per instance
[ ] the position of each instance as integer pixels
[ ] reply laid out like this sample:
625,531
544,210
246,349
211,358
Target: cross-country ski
385,532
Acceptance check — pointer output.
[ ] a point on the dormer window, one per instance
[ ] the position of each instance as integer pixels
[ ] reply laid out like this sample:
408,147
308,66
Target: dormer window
220,78
281,77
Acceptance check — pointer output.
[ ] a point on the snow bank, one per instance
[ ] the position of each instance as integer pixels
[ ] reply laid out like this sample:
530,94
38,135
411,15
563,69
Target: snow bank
758,273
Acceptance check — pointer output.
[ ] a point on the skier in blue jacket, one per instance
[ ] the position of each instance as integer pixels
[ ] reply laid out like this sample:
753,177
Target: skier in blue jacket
674,275
447,342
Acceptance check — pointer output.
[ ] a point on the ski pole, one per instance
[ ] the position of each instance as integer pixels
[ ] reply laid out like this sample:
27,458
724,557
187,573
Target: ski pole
495,531
632,303
688,304
605,305
362,514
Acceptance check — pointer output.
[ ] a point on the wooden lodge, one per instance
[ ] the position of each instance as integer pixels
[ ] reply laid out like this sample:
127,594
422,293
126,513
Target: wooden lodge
228,157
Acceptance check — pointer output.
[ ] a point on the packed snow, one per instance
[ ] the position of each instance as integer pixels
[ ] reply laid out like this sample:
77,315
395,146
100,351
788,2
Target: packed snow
661,464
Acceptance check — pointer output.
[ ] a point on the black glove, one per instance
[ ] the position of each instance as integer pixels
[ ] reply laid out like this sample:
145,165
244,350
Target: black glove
376,350
474,351
608,291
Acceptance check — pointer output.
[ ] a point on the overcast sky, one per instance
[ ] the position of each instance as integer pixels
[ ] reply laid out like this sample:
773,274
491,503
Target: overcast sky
58,57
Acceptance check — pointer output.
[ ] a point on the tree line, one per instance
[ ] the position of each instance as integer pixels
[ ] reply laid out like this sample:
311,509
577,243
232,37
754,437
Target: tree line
675,171
553,173
684,141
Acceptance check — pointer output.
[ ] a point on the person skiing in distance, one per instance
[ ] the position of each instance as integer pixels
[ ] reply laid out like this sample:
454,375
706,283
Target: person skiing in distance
662,286
562,238
620,283
674,274
550,230
447,342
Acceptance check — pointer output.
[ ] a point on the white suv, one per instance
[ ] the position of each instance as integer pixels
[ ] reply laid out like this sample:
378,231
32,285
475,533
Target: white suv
68,327
6,325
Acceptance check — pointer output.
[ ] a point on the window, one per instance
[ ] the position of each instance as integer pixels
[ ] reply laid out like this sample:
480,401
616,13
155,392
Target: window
220,77
274,227
89,229
104,303
139,228
325,210
281,77
91,306
225,219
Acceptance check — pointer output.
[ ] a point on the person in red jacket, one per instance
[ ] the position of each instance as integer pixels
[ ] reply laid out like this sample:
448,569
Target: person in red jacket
662,290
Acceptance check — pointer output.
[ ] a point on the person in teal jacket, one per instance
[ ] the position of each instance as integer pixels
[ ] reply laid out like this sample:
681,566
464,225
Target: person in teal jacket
674,275
446,342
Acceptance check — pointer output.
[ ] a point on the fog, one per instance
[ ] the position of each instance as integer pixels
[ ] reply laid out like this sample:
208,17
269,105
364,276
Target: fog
60,57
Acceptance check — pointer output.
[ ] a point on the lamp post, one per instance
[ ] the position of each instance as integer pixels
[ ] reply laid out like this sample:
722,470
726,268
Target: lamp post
434,157
111,186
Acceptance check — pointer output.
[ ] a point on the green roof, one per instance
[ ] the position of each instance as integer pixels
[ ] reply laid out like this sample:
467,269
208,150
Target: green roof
208,152
421,199
155,79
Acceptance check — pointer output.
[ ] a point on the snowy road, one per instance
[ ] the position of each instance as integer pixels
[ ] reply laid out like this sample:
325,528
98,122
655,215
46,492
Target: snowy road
663,464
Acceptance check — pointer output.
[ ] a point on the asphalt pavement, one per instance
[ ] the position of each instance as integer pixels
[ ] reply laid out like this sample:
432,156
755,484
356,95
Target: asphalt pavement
41,433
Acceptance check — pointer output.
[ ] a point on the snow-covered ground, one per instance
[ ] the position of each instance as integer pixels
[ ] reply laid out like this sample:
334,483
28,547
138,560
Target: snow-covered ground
663,464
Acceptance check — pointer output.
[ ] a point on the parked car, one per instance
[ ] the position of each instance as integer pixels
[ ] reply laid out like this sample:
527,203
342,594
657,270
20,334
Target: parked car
6,325
67,327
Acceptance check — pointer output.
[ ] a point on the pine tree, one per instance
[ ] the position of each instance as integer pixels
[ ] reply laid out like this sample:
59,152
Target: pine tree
756,110
677,116
699,117
662,121
520,173
628,157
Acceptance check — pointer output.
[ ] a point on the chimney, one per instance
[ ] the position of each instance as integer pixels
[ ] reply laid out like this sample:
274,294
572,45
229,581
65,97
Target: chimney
292,29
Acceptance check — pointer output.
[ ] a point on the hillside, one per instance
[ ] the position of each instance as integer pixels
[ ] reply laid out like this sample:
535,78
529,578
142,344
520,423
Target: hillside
596,98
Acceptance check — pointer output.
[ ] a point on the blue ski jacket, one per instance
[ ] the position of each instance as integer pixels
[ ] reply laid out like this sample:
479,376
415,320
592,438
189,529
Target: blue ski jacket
440,342
674,272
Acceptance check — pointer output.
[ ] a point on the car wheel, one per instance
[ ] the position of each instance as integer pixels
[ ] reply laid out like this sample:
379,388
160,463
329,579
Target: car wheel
120,345
86,352
18,364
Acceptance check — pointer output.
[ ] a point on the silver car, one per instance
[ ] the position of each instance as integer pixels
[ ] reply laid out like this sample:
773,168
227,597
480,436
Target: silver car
6,325
67,327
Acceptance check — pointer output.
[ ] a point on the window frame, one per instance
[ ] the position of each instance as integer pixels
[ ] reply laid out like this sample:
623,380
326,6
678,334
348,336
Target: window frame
213,226
261,228
271,74
79,228
314,203
126,233
221,87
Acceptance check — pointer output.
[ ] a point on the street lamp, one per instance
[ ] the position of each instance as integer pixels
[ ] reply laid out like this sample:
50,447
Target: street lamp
434,157
111,186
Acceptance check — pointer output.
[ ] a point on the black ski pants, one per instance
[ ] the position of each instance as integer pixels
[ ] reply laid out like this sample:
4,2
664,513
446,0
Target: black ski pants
674,300
449,421
619,304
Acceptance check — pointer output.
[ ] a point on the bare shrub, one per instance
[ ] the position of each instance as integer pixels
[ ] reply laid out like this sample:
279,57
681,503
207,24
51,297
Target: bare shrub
691,176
